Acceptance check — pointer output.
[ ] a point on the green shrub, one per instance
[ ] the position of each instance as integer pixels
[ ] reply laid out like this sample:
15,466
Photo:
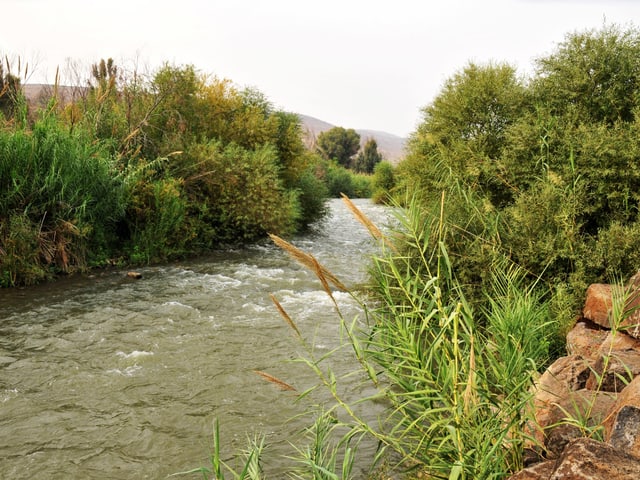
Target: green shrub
312,195
65,183
341,180
152,169
156,213
537,170
20,252
383,182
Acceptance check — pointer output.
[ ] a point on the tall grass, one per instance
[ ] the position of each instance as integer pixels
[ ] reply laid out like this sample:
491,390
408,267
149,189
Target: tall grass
454,383
60,196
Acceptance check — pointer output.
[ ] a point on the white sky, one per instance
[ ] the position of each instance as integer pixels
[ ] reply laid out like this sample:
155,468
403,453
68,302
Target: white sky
354,63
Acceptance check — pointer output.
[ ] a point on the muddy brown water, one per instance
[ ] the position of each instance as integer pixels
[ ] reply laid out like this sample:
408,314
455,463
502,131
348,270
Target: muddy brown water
106,377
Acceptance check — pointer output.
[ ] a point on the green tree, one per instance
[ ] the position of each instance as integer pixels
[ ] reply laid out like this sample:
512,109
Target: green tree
368,157
175,123
465,129
543,171
339,144
593,76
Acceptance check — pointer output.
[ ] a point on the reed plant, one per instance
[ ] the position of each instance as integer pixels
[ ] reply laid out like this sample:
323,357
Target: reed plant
60,198
249,461
456,381
325,458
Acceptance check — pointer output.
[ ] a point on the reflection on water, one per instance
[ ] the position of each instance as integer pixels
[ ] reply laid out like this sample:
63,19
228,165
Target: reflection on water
108,377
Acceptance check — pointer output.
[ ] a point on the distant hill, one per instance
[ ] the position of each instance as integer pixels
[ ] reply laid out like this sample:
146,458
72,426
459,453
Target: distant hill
38,94
392,147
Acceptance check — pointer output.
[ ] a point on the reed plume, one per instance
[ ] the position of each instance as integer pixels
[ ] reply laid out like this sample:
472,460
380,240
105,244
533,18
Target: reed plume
310,262
374,231
276,381
284,314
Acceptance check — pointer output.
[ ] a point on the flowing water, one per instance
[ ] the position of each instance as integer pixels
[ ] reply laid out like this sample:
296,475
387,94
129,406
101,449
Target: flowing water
106,377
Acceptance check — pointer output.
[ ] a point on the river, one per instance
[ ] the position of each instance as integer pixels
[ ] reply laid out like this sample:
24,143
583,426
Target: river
107,377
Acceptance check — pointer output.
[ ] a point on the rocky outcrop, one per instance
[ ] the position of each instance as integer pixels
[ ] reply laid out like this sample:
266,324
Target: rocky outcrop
594,391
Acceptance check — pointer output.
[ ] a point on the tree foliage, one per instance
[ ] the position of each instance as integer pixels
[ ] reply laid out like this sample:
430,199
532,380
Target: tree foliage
466,127
384,182
339,144
368,157
540,170
592,77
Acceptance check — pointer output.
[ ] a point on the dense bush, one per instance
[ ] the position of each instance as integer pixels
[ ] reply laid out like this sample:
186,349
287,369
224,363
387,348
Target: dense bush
341,180
139,170
541,170
383,182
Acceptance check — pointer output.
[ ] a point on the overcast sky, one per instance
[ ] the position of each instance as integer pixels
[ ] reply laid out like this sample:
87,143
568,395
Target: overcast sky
354,63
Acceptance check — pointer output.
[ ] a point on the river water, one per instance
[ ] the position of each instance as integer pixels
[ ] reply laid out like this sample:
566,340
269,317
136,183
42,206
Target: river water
106,377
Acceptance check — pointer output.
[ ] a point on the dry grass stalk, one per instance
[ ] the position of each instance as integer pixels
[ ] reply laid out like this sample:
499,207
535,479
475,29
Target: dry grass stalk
317,268
364,220
308,261
284,314
277,382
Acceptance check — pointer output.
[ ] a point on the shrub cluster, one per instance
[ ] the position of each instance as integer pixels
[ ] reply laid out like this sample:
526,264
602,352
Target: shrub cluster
138,170
542,170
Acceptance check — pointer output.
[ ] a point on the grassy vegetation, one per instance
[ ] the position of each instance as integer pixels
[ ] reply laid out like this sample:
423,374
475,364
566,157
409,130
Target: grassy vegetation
456,382
516,194
137,170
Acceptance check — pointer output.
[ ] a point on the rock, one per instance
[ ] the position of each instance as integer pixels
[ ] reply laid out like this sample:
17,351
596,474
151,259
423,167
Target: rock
539,471
621,368
565,375
631,323
582,407
625,434
620,425
586,339
587,459
618,341
597,306
136,275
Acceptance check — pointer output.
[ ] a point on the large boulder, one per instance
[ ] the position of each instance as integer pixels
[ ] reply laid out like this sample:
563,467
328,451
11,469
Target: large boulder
539,471
564,376
585,459
622,425
572,416
588,459
597,306
619,341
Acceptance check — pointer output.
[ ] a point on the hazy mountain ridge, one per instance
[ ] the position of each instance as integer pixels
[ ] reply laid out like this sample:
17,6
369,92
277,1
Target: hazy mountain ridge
392,147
